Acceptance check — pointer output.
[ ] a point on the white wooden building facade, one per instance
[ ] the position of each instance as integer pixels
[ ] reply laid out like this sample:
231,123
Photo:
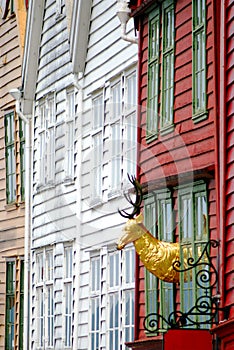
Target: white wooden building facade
79,91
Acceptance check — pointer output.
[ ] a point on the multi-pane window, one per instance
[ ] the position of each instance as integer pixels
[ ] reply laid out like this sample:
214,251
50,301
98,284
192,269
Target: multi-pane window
47,118
123,124
70,135
14,153
95,295
10,157
159,294
151,282
168,65
45,298
114,134
130,125
10,306
114,301
199,59
112,291
97,138
161,25
165,233
68,269
193,237
128,294
50,296
14,305
121,297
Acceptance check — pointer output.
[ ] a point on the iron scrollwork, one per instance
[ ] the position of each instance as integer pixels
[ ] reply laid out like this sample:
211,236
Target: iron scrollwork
206,307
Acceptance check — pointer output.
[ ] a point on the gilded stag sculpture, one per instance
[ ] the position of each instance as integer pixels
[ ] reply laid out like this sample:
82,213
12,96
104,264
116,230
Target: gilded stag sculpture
157,256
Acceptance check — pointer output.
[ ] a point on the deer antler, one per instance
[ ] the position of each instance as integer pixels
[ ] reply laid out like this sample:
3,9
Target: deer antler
139,196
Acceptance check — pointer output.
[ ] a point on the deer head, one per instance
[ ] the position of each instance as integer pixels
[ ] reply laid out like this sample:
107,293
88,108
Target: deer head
134,226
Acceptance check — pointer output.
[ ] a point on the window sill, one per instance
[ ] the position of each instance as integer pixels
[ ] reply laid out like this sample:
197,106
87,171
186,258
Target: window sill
114,193
12,206
95,202
151,137
68,181
167,129
200,116
42,188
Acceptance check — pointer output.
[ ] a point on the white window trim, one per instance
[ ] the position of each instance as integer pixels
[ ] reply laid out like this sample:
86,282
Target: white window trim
67,281
46,142
70,136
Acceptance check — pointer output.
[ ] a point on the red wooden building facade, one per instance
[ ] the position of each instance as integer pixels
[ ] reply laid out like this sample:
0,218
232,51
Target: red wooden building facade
186,158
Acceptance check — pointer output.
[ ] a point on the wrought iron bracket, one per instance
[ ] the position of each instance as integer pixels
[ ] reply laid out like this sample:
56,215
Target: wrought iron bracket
206,307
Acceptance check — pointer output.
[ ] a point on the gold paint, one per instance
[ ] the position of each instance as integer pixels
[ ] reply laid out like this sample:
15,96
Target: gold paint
157,256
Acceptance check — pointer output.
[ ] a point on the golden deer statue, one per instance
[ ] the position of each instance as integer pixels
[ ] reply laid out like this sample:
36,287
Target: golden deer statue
157,256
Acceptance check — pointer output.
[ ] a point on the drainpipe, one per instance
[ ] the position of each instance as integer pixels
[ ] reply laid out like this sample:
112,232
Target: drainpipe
17,94
123,14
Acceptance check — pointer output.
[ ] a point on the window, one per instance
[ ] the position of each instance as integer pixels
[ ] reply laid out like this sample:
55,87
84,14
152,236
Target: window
112,291
159,294
10,157
45,298
165,233
97,138
123,126
193,237
151,282
50,296
14,153
114,134
68,264
47,117
121,307
95,302
161,24
199,60
168,67
14,304
70,136
130,125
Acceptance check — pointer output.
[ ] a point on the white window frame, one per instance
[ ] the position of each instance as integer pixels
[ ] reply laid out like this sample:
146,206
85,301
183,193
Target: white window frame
68,296
95,302
70,134
45,298
130,126
97,146
47,119
123,131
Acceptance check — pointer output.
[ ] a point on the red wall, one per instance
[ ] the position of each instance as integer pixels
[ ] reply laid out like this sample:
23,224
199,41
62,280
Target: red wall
229,253
191,147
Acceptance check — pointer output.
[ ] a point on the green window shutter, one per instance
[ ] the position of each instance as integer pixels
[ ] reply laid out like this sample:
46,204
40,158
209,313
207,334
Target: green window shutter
168,37
153,75
10,306
199,60
193,212
21,315
10,157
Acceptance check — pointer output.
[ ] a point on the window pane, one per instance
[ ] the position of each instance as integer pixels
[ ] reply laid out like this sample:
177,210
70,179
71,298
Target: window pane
199,56
10,157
